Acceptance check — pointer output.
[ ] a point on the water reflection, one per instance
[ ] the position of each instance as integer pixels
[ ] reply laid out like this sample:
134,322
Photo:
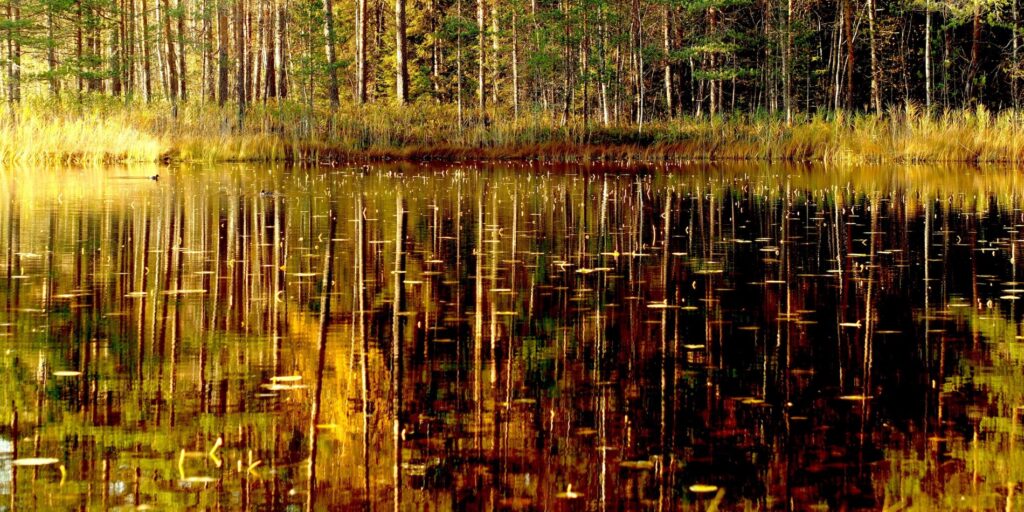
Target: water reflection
511,338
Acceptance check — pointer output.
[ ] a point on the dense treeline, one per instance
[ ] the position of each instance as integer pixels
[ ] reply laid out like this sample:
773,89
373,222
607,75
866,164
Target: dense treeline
599,61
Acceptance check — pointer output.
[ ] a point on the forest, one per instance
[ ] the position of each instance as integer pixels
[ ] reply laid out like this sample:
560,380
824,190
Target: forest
487,73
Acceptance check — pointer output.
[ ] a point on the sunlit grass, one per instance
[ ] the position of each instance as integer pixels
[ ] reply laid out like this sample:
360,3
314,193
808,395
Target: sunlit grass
105,130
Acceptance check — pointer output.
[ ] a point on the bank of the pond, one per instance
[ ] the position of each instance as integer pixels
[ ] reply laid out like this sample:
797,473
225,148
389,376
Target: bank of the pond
114,133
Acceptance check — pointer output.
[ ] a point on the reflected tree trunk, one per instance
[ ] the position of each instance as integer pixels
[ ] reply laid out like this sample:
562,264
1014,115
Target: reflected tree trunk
325,311
396,347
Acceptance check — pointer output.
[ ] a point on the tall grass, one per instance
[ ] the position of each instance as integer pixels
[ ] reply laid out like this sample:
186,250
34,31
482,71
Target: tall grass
104,130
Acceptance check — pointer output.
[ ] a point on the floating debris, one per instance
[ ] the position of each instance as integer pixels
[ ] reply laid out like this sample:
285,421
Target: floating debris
34,461
185,291
274,386
703,488
855,398
639,465
199,479
569,494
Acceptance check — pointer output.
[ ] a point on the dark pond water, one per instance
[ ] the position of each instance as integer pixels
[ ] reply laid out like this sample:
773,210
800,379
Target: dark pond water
692,338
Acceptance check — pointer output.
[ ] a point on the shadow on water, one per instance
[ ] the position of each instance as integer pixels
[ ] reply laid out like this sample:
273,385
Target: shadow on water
512,338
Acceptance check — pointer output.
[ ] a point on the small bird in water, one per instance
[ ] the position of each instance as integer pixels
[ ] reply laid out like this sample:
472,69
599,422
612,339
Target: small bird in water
155,177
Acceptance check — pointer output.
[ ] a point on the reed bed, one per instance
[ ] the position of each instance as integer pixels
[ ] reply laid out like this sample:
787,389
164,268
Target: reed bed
103,130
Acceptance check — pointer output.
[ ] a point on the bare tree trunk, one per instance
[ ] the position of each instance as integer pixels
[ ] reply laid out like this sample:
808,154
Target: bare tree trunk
928,54
605,114
132,83
876,97
787,64
715,99
361,51
51,56
481,95
566,67
209,88
667,40
458,64
147,76
515,61
972,72
332,72
269,51
240,60
402,70
260,53
251,54
161,48
1016,67
435,52
13,53
182,73
495,49
848,33
222,53
172,67
281,49
117,52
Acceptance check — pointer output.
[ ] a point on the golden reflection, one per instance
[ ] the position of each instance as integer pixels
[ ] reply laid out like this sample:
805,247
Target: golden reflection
733,337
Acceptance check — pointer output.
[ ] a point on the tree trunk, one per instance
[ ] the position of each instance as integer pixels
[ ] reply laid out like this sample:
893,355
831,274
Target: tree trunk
1015,55
402,70
515,61
222,53
715,99
332,72
458,64
269,54
79,47
182,74
259,56
848,34
928,55
116,53
209,87
481,95
130,76
147,76
787,64
876,97
13,53
361,79
240,60
667,41
51,56
172,67
435,52
972,72
495,51
605,114
280,49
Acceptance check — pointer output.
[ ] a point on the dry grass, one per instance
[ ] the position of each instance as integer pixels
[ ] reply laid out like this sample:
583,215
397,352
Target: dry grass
104,131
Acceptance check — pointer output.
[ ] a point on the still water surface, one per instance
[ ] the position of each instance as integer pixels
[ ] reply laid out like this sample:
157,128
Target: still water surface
512,338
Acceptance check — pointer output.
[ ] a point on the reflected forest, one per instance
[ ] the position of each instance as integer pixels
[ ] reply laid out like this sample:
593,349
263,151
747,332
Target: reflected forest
501,337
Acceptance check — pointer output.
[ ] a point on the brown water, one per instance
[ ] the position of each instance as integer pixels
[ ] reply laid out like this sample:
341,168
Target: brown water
539,338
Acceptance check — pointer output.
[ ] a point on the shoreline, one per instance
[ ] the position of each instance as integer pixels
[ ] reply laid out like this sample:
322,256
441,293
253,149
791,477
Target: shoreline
107,133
